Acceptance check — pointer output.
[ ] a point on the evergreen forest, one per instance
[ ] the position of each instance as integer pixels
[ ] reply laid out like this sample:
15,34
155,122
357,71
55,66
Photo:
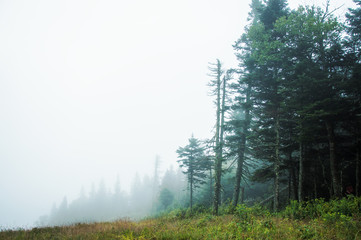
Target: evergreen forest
287,127
289,117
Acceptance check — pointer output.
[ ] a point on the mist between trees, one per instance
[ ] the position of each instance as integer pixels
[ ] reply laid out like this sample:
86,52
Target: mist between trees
147,196
287,124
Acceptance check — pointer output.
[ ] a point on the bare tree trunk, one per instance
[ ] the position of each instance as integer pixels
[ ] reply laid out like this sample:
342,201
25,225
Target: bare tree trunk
210,184
191,193
223,110
292,179
333,161
341,178
277,165
294,184
289,186
155,182
242,195
241,150
329,187
218,160
357,171
237,183
324,177
290,176
300,175
315,180
221,143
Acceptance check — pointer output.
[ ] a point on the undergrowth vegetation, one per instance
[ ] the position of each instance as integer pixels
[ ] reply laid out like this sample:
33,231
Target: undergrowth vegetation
316,219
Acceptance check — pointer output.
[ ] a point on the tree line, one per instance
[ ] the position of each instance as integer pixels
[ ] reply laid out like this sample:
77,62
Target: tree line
147,196
290,114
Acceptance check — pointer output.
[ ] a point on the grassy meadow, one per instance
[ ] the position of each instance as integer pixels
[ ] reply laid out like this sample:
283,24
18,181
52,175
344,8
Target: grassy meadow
336,219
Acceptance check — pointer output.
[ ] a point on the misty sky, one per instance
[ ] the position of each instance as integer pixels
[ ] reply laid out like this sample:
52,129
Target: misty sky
94,88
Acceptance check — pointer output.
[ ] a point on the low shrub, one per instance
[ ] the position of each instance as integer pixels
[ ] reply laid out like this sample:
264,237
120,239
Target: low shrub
244,212
318,208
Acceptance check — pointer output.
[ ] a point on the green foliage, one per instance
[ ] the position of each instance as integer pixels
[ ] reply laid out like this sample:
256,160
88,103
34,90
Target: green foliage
179,213
245,213
227,208
200,209
166,197
192,159
305,232
204,220
331,211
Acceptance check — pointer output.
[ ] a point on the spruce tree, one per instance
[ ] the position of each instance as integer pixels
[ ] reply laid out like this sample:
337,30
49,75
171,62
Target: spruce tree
191,157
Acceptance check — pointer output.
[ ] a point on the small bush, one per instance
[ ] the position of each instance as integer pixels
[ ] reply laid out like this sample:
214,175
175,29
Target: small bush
244,212
200,209
178,213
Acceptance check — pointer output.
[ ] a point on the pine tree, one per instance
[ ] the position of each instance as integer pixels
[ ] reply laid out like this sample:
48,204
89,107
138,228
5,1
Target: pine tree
190,159
166,197
238,130
266,70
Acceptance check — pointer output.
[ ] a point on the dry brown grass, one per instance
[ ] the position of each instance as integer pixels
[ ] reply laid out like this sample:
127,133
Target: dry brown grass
202,226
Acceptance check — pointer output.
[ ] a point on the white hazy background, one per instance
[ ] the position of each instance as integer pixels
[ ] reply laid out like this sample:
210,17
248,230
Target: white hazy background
92,89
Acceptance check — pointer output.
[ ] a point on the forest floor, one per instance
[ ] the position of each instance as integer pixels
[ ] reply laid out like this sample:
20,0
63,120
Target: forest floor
244,223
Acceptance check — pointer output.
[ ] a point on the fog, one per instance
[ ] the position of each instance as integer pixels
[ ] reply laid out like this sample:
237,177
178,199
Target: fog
92,90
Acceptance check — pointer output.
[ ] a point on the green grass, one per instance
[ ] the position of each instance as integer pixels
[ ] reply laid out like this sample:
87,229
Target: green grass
313,220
